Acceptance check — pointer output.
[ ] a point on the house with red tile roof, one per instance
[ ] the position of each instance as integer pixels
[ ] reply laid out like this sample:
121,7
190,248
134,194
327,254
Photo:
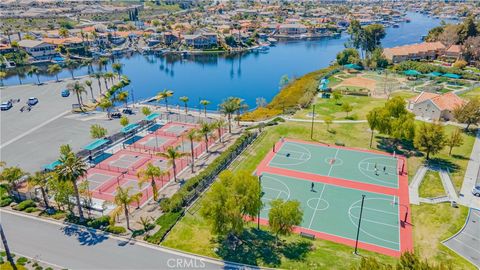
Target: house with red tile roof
434,106
419,51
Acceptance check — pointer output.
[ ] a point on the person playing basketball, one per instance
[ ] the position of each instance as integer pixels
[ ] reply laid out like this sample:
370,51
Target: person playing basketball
312,186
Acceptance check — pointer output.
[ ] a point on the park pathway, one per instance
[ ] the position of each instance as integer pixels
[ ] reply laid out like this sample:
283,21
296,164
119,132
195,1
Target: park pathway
472,175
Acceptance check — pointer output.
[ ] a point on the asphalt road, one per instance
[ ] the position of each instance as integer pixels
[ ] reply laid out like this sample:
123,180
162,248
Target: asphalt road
72,247
467,241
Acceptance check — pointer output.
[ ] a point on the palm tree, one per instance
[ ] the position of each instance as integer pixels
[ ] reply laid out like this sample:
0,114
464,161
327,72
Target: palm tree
88,64
123,199
165,94
117,67
12,176
54,69
193,136
229,107
105,104
219,124
3,75
98,76
63,32
172,154
241,106
71,169
41,180
71,66
123,97
89,84
205,130
148,175
7,249
102,62
204,103
106,77
185,99
34,70
78,89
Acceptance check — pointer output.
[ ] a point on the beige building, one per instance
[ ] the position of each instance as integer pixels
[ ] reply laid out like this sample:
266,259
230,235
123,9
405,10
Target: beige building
37,49
435,107
419,51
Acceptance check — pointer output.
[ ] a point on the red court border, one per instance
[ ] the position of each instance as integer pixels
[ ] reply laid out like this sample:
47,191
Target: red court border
406,240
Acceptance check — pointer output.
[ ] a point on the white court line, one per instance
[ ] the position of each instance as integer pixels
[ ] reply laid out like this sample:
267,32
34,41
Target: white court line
331,166
316,207
373,209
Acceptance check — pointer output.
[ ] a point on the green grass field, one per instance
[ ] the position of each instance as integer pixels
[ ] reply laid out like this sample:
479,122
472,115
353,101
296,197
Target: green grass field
472,93
431,186
432,223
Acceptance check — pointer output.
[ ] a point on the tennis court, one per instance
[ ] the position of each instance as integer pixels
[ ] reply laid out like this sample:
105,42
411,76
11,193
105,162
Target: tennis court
153,141
335,210
124,162
175,129
329,182
340,163
100,179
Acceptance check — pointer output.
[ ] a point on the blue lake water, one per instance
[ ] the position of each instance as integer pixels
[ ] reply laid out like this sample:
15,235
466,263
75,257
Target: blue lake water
248,76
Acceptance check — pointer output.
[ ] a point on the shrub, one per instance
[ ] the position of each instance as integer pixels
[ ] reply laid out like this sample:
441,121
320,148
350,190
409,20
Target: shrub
6,202
22,260
31,209
24,205
100,222
166,222
115,229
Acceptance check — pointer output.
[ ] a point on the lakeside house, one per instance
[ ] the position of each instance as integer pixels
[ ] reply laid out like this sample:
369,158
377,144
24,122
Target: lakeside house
293,29
37,49
201,39
70,42
419,51
434,106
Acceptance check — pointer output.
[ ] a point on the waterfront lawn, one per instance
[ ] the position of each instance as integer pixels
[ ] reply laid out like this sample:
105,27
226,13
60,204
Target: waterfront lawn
432,223
431,185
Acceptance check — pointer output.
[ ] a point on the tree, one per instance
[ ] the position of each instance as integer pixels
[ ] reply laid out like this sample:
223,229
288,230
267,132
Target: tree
97,131
185,99
34,71
12,175
373,34
146,111
63,32
124,121
98,76
337,96
467,29
346,107
373,121
228,108
403,127
78,89
469,113
205,131
284,215
123,199
89,84
7,249
105,104
204,103
102,62
123,97
71,66
3,75
232,197
460,64
172,154
430,138
117,67
71,169
377,59
40,179
471,49
54,70
149,174
348,56
328,121
165,94
284,80
219,124
454,140
356,33
193,136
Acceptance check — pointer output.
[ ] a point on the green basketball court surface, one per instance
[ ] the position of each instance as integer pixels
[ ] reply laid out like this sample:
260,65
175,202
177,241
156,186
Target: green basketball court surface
340,176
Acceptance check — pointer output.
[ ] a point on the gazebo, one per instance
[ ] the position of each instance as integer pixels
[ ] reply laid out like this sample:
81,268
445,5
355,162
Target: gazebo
434,74
412,72
353,66
451,76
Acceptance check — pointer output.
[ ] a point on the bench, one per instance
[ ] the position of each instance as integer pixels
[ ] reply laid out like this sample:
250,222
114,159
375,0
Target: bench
307,235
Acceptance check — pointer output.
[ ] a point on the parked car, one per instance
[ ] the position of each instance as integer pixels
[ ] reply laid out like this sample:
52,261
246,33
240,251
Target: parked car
32,101
65,93
127,111
5,106
116,115
476,191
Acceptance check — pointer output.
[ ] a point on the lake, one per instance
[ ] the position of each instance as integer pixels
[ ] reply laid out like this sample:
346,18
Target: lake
249,75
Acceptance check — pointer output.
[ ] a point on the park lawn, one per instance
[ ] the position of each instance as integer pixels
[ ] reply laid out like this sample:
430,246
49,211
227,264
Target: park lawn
431,185
471,94
192,232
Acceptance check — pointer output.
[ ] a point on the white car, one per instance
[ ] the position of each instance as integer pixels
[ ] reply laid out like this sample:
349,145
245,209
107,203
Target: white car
476,191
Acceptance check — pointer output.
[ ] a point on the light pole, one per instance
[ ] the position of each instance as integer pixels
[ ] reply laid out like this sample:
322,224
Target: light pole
358,227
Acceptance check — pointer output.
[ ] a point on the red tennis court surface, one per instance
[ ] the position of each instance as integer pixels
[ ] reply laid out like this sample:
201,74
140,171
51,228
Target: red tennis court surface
329,182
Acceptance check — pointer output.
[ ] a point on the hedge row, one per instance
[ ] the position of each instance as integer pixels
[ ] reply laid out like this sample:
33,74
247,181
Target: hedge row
297,94
166,222
427,68
188,190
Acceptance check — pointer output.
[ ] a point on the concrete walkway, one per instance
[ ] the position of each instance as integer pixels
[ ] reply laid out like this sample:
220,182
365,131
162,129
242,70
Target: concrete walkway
448,185
415,184
472,175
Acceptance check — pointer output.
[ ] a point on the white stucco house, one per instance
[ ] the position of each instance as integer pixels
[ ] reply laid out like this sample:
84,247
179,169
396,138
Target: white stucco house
435,107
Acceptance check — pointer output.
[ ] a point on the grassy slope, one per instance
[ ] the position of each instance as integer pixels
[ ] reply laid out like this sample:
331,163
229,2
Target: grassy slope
433,223
473,93
431,185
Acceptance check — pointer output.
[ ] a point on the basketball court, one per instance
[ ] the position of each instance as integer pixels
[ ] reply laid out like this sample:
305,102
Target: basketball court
329,182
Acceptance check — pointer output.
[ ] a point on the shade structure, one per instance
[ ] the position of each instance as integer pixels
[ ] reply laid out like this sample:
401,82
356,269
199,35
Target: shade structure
95,144
52,166
451,76
152,116
352,66
412,72
434,74
129,127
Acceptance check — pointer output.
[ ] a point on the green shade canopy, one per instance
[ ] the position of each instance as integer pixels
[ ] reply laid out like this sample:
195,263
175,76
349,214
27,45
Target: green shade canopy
452,76
95,144
412,72
434,74
152,116
52,166
353,66
129,127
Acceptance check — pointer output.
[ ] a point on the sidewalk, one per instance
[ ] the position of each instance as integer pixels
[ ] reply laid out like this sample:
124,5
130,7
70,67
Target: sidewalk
472,174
